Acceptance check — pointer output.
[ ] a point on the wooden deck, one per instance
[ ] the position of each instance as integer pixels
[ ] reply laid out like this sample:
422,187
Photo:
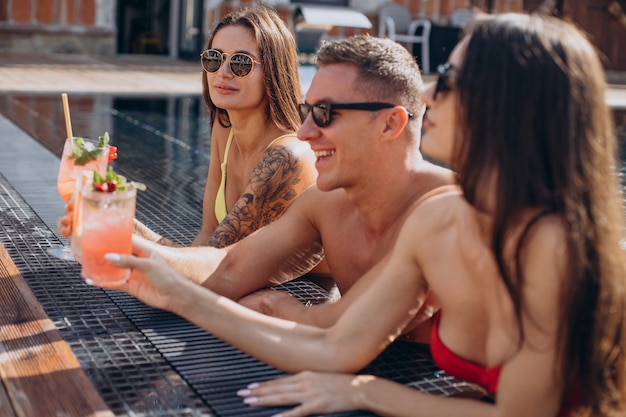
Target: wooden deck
40,374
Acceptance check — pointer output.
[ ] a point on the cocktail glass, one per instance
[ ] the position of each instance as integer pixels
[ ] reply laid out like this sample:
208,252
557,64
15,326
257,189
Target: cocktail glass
107,226
70,169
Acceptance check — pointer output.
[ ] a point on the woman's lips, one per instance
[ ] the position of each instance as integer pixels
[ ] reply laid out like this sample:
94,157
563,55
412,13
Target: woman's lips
224,88
427,123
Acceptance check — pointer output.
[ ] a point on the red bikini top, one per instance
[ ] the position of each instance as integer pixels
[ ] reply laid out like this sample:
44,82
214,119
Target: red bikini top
461,368
468,371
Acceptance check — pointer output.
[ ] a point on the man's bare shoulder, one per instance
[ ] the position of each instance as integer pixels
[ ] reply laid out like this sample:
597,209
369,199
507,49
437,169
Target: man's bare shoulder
428,177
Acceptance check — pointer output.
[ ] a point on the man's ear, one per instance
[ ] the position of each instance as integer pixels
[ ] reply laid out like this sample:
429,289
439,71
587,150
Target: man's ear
395,122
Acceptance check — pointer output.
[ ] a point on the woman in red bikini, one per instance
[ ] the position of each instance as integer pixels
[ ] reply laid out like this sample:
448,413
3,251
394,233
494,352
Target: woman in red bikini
524,258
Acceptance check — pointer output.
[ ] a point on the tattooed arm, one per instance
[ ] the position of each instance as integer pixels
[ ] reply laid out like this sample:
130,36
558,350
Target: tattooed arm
285,170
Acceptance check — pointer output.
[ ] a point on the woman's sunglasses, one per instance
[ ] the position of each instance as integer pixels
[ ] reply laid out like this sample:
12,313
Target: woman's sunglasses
446,79
321,112
240,64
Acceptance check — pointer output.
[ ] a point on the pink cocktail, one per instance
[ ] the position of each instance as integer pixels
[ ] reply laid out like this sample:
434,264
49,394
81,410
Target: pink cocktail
72,166
107,223
79,155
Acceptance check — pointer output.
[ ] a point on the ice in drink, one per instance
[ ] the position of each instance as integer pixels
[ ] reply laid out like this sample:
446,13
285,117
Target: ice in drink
107,226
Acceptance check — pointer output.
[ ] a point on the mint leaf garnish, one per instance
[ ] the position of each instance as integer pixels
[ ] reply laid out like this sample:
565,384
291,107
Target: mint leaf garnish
84,152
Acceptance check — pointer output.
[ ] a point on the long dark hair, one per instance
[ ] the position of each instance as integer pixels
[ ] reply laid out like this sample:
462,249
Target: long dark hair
531,108
280,65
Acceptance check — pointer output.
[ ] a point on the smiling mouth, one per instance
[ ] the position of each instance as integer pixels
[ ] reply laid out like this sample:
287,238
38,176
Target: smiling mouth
321,154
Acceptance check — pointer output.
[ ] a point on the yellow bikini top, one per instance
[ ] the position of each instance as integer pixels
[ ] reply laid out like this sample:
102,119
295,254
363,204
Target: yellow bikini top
220,198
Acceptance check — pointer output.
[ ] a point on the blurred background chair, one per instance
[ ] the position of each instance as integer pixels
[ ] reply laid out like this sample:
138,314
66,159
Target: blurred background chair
395,23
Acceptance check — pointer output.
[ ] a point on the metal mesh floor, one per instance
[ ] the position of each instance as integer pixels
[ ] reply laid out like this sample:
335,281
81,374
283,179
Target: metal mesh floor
133,378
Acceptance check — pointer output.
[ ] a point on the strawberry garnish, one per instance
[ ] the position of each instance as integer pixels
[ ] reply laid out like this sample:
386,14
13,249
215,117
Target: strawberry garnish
112,181
106,187
112,153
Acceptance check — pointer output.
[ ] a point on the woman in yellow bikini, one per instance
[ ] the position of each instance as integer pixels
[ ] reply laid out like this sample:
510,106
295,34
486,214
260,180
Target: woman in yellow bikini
258,166
252,88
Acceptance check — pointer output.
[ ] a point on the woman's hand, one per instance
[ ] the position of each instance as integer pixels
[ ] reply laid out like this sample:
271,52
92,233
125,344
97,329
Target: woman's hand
314,392
151,280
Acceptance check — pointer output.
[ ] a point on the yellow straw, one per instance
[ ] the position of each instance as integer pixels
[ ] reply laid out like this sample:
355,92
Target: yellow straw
66,111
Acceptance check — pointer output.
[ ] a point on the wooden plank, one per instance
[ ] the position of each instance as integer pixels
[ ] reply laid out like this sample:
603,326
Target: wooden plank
38,370
6,409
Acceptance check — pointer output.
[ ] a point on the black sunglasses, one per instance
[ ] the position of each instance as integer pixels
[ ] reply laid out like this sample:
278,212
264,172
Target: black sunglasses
240,64
321,112
446,79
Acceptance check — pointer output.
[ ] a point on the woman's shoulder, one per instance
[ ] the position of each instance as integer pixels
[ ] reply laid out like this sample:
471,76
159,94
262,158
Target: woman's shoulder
290,144
289,140
546,241
437,209
439,202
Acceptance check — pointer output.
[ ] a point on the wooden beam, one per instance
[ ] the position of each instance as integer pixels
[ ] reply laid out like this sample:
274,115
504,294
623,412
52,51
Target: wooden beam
39,373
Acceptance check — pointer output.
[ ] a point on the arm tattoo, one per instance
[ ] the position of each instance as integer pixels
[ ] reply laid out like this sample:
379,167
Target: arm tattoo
271,191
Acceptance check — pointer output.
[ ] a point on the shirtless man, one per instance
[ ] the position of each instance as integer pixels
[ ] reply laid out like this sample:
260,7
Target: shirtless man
370,171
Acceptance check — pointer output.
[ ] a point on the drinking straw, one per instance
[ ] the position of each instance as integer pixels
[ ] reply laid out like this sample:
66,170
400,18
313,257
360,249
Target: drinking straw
66,112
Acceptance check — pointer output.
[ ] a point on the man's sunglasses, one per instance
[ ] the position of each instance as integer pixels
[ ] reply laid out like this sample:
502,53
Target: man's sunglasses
321,112
240,64
446,79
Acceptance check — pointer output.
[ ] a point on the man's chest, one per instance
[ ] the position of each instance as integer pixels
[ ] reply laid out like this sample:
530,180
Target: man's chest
350,252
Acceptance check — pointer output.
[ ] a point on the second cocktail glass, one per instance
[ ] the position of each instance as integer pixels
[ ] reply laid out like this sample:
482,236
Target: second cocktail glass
79,155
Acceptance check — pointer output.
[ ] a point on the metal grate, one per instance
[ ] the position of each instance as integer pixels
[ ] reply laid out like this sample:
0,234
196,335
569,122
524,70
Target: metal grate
133,378
147,362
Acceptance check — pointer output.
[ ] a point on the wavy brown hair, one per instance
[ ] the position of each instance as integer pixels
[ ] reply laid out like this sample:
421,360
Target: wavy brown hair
280,65
531,108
